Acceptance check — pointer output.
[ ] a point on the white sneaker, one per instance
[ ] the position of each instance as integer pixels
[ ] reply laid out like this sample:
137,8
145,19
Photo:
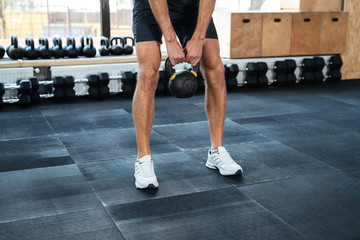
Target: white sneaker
144,173
221,159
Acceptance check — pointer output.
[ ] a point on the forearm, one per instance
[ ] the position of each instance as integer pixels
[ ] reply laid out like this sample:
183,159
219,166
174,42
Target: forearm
206,9
161,13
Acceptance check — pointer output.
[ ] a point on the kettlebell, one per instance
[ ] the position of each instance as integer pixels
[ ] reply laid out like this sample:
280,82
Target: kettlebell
116,49
183,84
11,43
71,49
104,46
89,50
15,51
58,50
2,52
81,46
44,50
30,51
128,49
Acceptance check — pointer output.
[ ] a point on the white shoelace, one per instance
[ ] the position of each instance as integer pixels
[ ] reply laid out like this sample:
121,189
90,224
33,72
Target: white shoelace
226,158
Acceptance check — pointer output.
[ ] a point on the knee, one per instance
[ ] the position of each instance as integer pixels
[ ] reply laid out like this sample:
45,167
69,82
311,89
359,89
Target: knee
215,76
148,78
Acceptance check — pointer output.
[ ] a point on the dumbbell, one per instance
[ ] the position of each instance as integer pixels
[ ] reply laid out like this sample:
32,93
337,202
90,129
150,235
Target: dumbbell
15,51
89,49
311,70
128,83
255,75
284,72
231,72
98,85
334,69
104,49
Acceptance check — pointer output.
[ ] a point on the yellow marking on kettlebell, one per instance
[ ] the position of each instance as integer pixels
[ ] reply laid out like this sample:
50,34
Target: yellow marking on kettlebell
195,74
172,77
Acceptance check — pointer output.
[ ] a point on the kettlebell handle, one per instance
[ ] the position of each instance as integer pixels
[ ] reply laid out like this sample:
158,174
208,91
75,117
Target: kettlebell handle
59,42
104,41
171,73
82,41
112,39
128,37
90,41
15,42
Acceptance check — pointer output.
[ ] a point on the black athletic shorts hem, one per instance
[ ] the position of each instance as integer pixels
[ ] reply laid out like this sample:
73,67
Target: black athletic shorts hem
146,28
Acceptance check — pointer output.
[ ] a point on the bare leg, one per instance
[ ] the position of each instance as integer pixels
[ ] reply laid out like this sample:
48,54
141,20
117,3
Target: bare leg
215,93
149,58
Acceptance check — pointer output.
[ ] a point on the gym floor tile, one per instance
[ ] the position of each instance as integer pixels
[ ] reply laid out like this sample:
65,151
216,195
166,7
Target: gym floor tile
44,191
341,150
33,153
267,161
294,126
94,223
109,144
177,173
24,127
223,213
196,134
181,113
322,206
90,120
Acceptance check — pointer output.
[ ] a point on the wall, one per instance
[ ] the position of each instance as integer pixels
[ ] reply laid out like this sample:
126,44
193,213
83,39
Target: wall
351,57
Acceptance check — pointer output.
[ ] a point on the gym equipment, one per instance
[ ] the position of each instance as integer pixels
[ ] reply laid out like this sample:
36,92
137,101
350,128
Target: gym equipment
30,51
183,84
284,72
98,85
2,92
307,71
116,49
24,93
81,46
44,50
11,43
128,48
71,50
161,87
104,46
200,78
58,50
128,83
334,69
231,72
15,51
2,52
319,66
89,50
69,92
255,75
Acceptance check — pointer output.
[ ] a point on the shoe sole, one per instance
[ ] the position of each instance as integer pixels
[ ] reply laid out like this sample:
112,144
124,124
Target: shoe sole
148,186
224,173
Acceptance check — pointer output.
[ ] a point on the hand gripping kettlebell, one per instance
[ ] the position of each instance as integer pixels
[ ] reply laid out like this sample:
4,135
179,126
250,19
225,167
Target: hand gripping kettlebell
183,84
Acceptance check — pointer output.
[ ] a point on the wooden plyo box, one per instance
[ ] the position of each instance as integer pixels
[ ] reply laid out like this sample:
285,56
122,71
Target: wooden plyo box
305,33
276,34
333,32
239,34
320,5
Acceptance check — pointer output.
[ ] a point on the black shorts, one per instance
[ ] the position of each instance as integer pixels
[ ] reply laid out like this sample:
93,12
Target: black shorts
146,28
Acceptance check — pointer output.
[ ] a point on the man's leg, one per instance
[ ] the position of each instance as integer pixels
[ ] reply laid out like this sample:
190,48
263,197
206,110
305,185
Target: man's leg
149,58
215,95
215,98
